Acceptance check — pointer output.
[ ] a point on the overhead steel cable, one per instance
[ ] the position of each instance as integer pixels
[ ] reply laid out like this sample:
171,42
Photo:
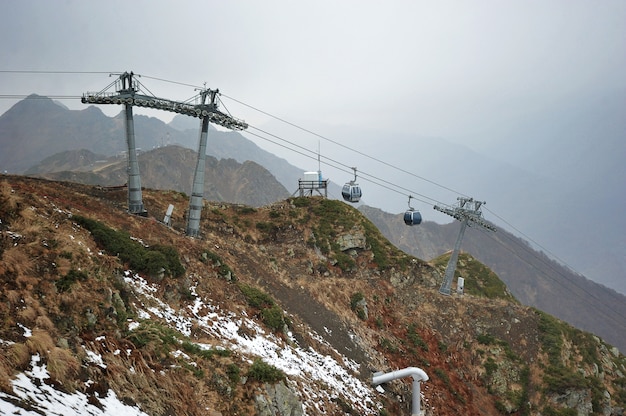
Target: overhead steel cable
37,97
344,146
528,238
172,82
374,179
28,71
550,265
337,165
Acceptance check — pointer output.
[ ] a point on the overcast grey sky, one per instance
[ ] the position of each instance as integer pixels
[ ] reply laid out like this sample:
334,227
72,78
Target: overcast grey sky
439,67
465,71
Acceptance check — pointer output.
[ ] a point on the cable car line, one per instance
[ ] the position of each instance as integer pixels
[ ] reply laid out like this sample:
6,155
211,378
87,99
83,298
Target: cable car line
8,71
532,252
339,167
546,262
375,181
38,97
344,146
252,107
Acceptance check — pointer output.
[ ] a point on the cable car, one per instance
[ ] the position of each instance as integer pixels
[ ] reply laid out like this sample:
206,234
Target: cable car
411,216
351,191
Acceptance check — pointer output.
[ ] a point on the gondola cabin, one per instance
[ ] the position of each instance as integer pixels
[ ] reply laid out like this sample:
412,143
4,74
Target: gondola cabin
412,217
351,192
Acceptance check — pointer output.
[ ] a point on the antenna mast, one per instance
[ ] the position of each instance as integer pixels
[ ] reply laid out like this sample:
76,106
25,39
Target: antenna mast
469,213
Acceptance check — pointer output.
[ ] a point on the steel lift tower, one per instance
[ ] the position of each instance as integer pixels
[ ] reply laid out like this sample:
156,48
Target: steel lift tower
128,94
197,188
469,213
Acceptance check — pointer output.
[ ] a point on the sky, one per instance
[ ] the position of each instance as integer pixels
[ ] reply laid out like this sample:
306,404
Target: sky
466,72
442,68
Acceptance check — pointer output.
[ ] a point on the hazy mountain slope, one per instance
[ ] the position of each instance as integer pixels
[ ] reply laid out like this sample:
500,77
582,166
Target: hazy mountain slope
232,145
37,127
556,175
578,143
228,324
578,219
82,159
531,276
172,168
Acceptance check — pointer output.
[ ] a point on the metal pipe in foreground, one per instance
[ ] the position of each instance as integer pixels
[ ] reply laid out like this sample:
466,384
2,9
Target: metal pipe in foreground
418,376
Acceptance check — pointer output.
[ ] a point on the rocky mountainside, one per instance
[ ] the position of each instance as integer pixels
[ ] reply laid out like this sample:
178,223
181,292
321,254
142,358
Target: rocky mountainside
37,128
168,168
532,277
281,309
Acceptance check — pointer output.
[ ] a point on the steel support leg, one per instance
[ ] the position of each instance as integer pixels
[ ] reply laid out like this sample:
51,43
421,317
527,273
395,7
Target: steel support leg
447,280
135,202
197,189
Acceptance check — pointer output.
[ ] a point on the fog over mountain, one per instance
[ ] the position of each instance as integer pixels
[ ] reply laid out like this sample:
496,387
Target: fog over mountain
572,211
556,178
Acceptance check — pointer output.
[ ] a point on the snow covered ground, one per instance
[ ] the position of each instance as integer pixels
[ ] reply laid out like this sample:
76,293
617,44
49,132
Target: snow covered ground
307,369
34,397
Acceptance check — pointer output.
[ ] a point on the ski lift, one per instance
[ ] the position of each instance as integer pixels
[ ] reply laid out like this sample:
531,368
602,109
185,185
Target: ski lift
411,216
351,191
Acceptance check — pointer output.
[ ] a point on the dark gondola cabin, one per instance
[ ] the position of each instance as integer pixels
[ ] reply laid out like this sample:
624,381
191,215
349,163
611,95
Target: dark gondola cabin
351,192
412,217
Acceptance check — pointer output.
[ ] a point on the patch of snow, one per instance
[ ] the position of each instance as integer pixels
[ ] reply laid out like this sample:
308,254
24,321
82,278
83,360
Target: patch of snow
95,358
27,332
31,388
134,325
306,368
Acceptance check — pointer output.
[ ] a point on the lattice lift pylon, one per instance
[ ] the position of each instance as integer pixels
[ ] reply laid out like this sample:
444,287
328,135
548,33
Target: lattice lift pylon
469,213
127,93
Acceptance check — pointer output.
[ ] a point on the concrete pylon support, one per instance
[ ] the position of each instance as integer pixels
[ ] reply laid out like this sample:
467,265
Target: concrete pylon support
197,189
447,280
135,201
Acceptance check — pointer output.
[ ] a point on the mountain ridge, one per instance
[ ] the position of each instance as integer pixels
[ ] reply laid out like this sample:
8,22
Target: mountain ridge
188,340
151,132
534,278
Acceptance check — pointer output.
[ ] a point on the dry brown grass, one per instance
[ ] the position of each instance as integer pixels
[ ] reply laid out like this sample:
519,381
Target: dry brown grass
13,296
63,266
40,342
27,315
16,261
10,199
5,376
28,219
43,322
18,356
31,311
62,365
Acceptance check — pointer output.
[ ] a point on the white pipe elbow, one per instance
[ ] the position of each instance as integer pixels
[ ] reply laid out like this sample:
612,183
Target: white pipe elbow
416,373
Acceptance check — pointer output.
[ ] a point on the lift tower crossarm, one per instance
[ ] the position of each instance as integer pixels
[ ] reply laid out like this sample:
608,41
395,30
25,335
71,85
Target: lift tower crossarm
461,213
469,213
127,93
